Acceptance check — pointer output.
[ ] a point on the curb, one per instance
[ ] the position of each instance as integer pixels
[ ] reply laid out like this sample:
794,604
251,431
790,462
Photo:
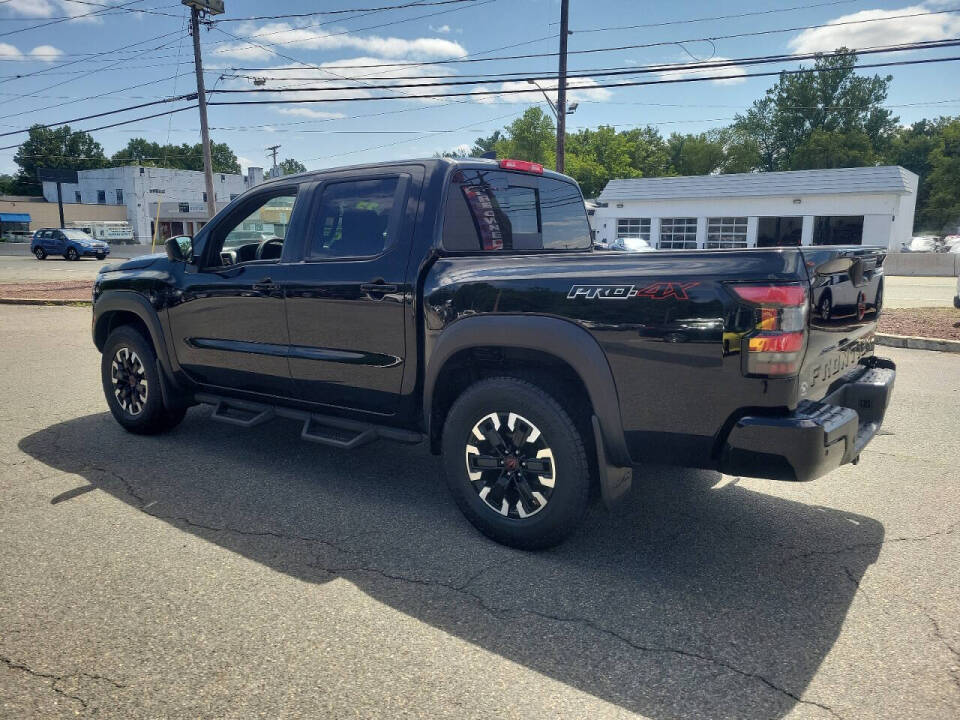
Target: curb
44,301
918,343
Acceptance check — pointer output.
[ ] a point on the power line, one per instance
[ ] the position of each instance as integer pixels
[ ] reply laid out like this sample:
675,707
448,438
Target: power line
640,70
751,13
615,48
483,93
345,11
70,17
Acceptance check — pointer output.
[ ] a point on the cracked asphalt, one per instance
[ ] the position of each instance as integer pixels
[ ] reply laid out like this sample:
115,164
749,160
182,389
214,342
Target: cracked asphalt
224,572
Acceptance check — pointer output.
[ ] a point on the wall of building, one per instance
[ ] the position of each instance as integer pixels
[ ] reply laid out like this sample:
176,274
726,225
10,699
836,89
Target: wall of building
888,218
46,214
142,187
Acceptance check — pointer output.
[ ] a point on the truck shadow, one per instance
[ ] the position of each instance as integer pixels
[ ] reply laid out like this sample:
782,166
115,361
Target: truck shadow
686,602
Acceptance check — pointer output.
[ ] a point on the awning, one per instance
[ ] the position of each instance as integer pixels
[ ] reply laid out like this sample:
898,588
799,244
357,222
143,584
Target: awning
15,217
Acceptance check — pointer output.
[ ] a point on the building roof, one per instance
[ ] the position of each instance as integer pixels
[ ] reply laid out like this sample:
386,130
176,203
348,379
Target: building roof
884,179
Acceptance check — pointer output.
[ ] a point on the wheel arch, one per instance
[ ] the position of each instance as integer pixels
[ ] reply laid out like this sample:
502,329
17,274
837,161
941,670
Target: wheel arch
552,342
123,307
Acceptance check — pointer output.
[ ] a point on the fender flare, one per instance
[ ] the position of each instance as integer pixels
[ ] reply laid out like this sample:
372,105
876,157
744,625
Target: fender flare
561,338
129,301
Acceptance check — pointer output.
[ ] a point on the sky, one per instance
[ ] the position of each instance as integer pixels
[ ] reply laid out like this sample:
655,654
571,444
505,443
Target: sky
58,61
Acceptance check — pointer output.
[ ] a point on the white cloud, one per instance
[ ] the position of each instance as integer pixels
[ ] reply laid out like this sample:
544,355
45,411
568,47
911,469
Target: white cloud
10,52
881,32
309,113
578,90
283,34
703,72
48,8
443,29
46,53
43,53
245,163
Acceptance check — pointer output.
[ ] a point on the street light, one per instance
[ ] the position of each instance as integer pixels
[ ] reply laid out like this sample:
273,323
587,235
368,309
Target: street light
571,108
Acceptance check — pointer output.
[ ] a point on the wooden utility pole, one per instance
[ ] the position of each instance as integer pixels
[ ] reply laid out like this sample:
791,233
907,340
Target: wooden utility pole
273,151
562,85
202,103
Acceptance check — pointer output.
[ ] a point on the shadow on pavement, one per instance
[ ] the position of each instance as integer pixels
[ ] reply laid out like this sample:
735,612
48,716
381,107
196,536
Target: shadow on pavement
687,601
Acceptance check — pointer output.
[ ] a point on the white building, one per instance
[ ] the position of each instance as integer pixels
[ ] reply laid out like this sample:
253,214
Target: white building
181,194
870,206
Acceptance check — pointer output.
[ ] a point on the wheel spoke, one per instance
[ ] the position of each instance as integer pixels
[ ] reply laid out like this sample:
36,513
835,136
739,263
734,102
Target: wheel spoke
486,462
540,466
492,436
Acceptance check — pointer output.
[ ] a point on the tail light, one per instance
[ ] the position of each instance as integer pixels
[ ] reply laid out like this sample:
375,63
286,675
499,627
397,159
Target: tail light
774,345
522,166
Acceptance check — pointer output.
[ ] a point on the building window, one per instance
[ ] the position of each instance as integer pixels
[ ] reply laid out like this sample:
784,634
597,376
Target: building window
101,197
223,179
678,233
838,230
119,196
141,171
76,196
633,228
727,232
184,207
779,231
204,196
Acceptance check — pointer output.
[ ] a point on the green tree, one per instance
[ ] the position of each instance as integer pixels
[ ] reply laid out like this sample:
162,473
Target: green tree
290,167
942,210
54,148
530,137
140,151
594,157
649,156
790,124
485,144
7,184
695,154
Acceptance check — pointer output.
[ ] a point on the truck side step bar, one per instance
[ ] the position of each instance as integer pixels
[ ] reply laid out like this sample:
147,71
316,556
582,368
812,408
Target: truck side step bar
324,429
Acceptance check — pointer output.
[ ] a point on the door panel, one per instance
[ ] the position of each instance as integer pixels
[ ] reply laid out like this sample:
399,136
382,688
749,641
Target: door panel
230,325
346,314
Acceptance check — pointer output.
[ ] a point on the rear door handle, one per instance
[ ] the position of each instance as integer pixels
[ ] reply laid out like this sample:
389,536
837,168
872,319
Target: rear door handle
265,285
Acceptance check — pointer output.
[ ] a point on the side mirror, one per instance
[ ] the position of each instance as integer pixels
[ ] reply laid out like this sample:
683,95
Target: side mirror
179,248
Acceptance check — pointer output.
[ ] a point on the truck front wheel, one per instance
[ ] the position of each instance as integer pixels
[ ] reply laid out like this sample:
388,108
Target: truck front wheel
515,463
131,384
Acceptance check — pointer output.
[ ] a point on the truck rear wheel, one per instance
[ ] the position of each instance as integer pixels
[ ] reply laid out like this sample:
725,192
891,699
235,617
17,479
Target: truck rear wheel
515,463
131,384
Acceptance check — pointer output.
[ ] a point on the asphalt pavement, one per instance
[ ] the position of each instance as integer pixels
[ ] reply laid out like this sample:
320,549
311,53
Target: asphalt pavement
220,572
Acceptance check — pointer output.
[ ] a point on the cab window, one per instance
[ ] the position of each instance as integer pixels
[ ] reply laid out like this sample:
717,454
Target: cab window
260,233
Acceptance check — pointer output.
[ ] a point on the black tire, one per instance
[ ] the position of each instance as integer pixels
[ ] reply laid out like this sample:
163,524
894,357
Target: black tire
528,523
826,307
40,253
101,256
72,254
138,405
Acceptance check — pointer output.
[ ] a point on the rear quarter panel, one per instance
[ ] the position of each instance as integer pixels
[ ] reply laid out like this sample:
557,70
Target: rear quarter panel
664,320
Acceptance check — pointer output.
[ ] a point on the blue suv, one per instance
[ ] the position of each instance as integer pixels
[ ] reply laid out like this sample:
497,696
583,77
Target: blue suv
72,244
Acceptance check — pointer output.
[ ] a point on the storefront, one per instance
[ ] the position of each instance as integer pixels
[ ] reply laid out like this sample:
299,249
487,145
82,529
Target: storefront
15,227
844,206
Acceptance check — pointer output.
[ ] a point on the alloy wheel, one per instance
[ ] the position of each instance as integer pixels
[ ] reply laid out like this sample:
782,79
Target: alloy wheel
72,254
129,380
510,465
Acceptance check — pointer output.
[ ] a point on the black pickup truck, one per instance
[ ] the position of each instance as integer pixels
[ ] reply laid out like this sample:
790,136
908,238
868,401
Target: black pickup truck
461,303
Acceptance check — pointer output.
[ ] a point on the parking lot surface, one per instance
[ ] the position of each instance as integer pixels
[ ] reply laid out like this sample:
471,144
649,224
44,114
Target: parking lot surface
227,572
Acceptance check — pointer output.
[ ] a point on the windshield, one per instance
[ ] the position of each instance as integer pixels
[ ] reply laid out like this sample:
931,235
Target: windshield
76,235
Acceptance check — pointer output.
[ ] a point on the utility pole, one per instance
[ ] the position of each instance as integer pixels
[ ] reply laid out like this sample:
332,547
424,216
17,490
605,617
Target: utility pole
195,8
273,151
562,85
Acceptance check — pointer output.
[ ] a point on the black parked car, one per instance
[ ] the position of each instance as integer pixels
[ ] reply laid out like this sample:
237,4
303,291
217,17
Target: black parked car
459,302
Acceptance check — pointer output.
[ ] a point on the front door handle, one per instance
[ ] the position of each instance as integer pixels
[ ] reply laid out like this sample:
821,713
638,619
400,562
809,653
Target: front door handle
378,288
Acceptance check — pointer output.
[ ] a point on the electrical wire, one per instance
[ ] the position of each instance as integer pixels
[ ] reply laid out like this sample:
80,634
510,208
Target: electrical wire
345,11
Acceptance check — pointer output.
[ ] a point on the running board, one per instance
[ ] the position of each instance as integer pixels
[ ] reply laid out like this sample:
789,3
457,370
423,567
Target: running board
324,429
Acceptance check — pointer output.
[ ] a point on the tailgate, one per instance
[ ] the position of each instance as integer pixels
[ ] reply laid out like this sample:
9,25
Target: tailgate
846,295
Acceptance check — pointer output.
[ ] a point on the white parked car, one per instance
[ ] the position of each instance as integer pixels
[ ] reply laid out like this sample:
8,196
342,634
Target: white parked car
633,245
950,242
922,243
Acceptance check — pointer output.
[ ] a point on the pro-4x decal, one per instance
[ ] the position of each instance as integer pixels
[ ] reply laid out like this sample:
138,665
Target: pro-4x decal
653,291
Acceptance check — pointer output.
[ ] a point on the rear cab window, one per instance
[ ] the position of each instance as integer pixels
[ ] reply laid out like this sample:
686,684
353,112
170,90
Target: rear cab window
502,211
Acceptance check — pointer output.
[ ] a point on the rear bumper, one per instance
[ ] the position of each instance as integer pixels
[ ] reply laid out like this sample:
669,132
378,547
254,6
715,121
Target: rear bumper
818,436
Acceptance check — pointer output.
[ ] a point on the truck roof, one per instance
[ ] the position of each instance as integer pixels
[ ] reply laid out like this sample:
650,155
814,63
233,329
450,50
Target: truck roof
431,165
